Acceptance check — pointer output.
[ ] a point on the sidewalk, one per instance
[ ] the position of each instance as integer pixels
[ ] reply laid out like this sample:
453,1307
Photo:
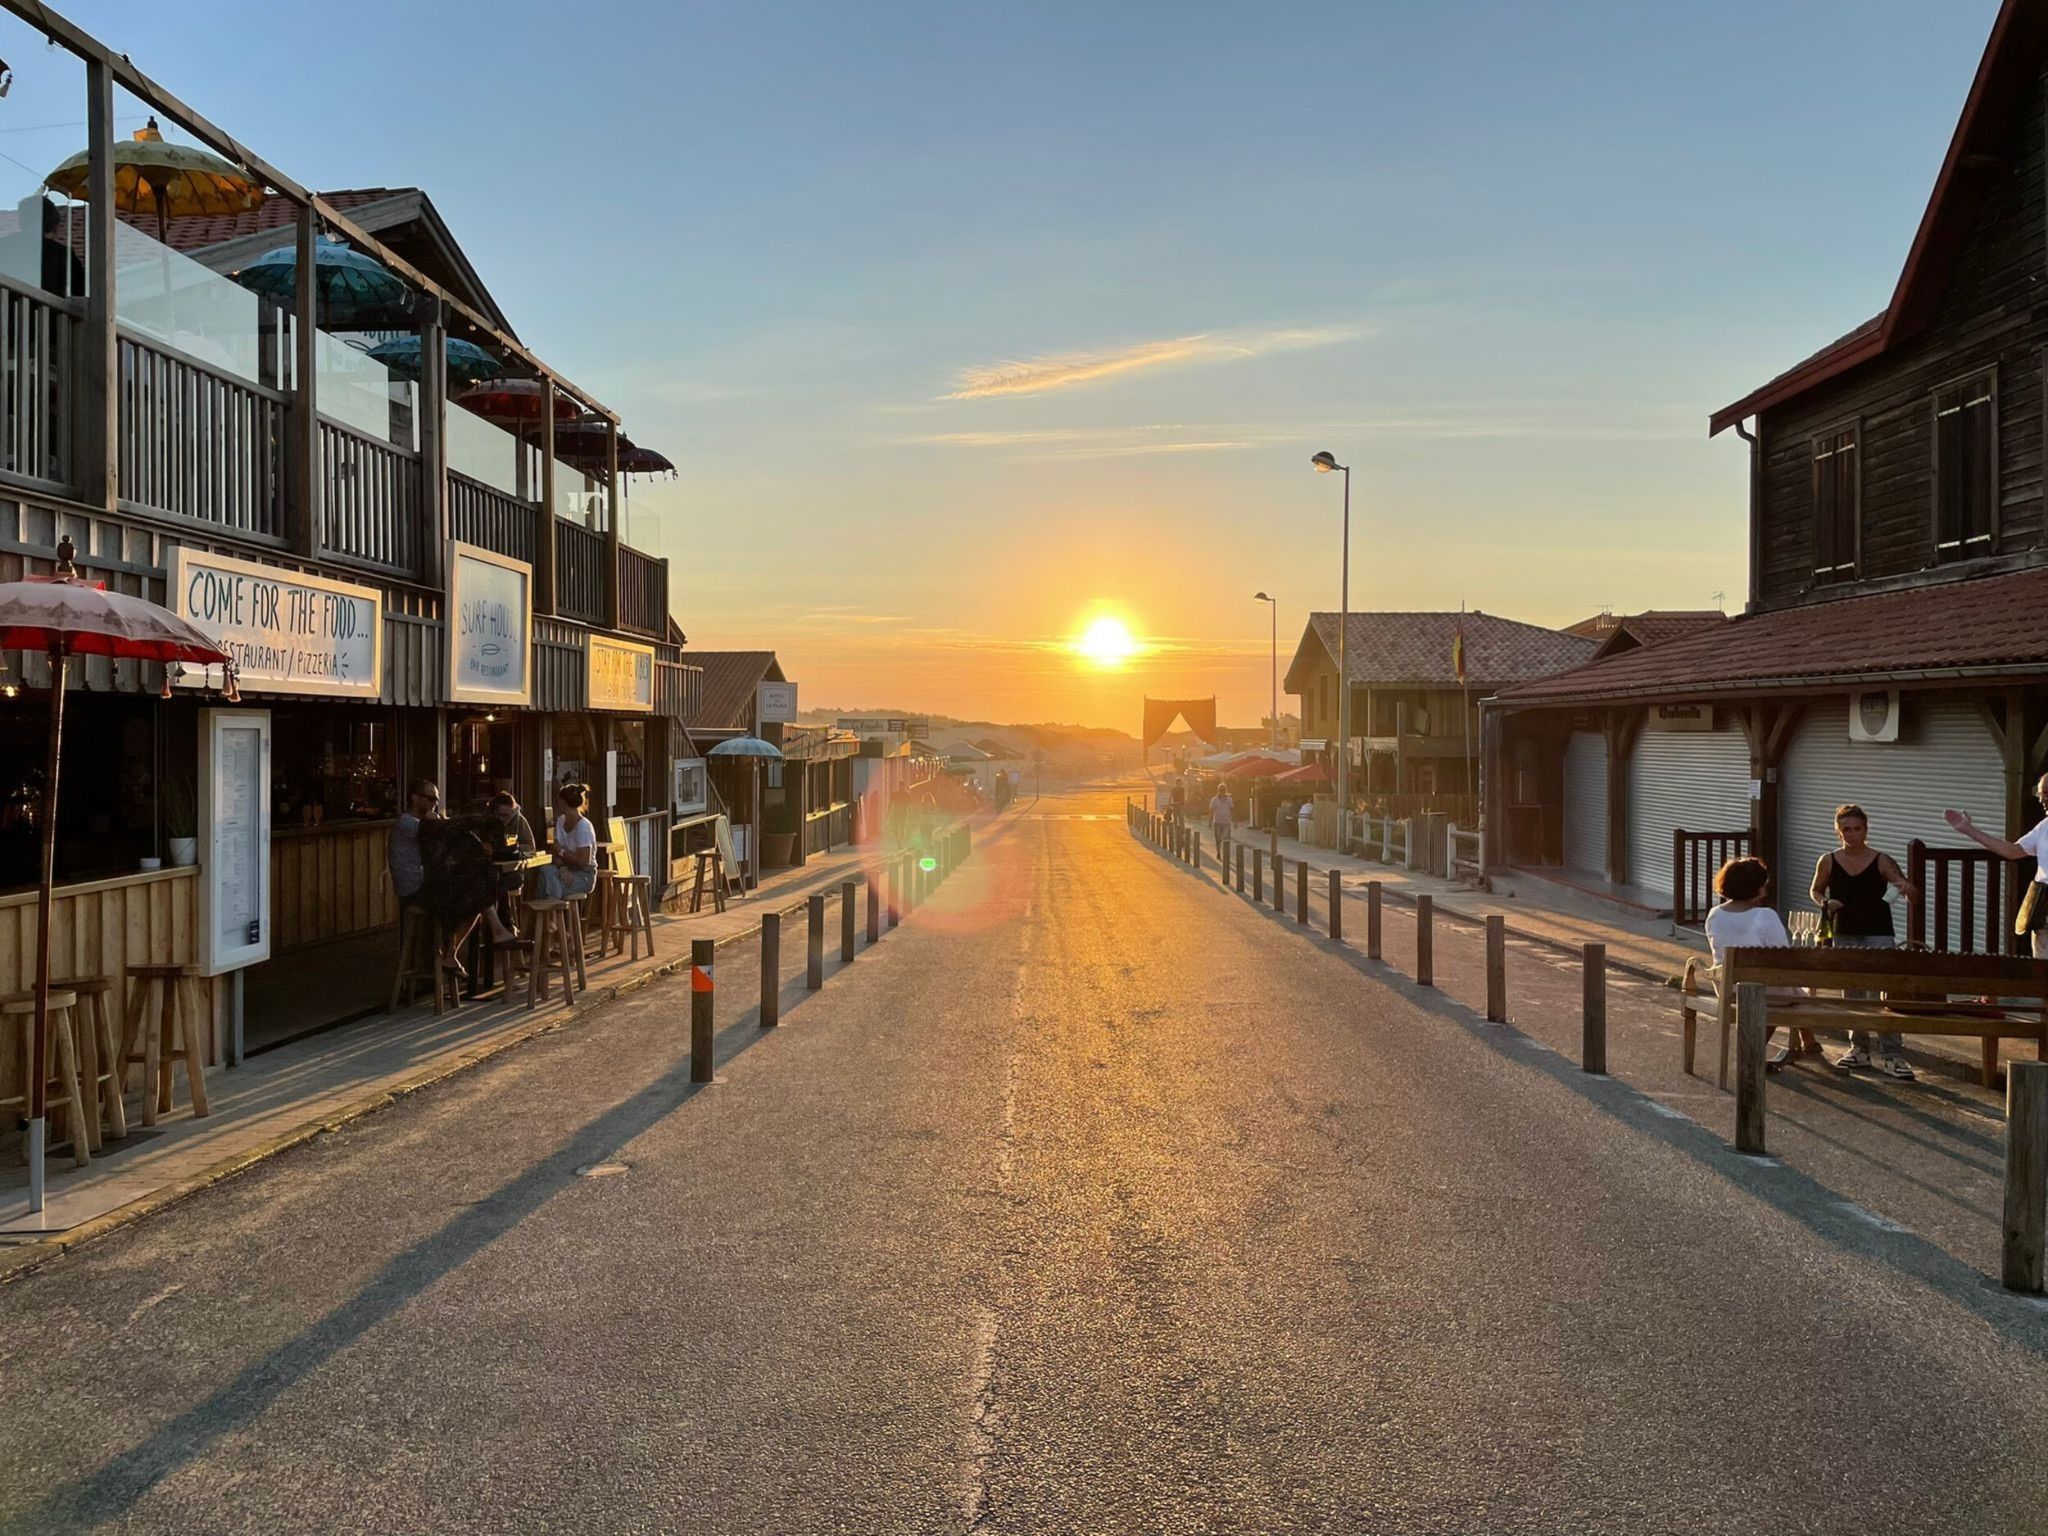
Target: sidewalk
291,1093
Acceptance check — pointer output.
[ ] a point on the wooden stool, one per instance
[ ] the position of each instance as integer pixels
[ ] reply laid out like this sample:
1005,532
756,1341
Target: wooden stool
99,1057
626,915
711,869
518,959
553,943
19,1010
577,936
419,958
158,1045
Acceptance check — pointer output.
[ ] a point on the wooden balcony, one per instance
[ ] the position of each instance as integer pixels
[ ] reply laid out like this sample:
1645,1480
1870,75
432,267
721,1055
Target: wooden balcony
479,514
643,593
678,690
580,563
37,333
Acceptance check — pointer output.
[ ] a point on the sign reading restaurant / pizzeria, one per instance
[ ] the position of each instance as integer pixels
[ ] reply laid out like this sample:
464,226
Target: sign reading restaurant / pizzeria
621,675
490,627
288,632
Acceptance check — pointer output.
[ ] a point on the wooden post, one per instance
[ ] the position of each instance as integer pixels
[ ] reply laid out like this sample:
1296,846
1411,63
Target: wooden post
1374,903
1752,1028
771,969
2026,1173
96,426
544,515
1336,905
1496,969
613,560
895,892
302,453
1258,875
1301,891
1237,861
703,1016
1198,851
434,448
1279,883
814,942
874,906
1593,1013
1425,940
849,904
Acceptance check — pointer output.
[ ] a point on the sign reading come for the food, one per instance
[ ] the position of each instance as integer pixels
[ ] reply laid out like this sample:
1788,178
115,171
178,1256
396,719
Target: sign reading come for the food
287,632
490,627
621,675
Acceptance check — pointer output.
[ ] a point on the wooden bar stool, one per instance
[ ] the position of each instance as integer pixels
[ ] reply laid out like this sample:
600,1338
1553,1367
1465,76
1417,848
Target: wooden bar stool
578,936
626,916
19,1011
160,1044
554,944
419,960
711,869
99,1057
519,960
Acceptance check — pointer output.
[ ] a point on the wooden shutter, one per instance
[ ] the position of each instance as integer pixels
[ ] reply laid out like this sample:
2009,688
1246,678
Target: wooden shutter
1835,506
1966,469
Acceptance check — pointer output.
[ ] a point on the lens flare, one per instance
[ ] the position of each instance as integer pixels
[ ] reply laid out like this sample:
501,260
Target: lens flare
927,863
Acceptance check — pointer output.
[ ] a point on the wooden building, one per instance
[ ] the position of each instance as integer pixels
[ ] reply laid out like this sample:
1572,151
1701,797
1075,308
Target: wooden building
1893,650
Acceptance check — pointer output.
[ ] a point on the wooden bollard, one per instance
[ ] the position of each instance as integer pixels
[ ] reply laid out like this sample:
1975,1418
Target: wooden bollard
1375,906
1198,850
1593,1012
849,908
1258,875
814,942
1279,883
1336,904
1496,969
771,969
1237,858
1425,940
2026,1173
874,906
895,876
1301,892
703,1011
1752,1028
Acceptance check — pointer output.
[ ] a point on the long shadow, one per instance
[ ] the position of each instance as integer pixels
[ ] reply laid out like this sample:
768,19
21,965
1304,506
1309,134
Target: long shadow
1825,1213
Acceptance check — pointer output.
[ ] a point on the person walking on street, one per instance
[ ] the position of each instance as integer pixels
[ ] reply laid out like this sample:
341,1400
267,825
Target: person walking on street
2032,918
1177,802
1849,885
1222,813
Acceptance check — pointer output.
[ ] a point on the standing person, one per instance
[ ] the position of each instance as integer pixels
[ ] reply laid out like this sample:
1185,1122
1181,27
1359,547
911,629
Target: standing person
2032,918
1222,814
1177,801
1849,887
574,872
1742,919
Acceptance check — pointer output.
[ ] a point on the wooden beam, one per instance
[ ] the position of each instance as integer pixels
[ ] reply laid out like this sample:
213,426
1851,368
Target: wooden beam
302,451
1619,727
434,450
613,558
96,423
544,534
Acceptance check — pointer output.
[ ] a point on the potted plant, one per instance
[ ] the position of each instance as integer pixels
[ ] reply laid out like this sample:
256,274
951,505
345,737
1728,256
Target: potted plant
778,835
181,820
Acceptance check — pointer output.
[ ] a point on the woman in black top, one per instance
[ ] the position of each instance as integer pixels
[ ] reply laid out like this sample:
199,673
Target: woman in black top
1849,885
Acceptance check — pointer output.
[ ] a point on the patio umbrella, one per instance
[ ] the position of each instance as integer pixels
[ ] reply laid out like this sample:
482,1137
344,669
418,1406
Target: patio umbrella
64,616
756,751
468,363
353,289
517,400
1256,768
1312,773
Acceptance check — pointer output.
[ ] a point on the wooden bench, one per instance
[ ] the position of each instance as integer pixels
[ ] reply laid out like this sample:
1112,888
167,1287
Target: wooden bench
1940,992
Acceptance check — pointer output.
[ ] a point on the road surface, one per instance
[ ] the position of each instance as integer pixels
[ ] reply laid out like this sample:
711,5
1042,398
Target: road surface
1090,1200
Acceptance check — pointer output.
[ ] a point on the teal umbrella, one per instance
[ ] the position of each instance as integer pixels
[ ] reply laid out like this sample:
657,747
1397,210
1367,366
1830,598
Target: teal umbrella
353,289
755,751
468,363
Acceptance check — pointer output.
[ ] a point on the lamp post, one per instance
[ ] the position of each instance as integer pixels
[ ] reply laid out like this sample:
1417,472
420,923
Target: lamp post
1273,738
1324,463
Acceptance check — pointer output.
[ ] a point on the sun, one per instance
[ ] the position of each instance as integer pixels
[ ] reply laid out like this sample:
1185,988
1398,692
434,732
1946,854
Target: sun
1107,642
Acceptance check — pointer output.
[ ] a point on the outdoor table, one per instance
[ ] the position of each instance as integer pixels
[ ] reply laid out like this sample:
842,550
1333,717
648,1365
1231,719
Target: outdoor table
483,954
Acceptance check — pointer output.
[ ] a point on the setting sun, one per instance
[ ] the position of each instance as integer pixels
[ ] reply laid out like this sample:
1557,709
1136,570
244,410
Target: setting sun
1107,642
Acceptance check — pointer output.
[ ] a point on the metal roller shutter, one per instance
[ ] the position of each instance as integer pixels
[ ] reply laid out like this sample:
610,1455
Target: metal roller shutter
1585,803
1945,757
1696,780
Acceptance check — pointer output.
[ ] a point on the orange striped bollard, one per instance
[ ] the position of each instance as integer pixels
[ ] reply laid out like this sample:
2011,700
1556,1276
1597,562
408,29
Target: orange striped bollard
701,1016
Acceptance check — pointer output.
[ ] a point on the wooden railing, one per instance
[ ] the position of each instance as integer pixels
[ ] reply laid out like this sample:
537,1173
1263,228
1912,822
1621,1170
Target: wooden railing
828,829
35,371
678,690
647,837
643,593
579,572
1978,876
198,444
1695,858
481,514
371,494
329,882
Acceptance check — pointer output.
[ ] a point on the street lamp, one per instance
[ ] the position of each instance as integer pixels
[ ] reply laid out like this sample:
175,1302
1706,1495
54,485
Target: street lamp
1260,597
1324,463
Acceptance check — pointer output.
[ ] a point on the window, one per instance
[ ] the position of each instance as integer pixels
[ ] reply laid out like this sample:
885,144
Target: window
1966,468
1837,499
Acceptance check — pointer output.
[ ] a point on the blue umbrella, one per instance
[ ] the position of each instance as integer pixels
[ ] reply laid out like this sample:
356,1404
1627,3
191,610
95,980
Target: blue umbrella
353,288
745,746
755,750
468,363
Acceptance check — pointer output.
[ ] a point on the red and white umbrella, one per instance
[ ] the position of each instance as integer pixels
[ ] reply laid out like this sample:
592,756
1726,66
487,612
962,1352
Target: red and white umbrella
64,616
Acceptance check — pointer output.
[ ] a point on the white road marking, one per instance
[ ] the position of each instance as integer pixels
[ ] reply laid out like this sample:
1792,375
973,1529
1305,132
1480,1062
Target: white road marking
1864,1213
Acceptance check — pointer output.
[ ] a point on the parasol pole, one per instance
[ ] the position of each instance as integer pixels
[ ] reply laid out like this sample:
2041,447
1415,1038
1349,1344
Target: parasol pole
39,1050
754,832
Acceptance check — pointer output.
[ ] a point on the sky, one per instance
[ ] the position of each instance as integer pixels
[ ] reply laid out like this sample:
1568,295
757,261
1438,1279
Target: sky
966,324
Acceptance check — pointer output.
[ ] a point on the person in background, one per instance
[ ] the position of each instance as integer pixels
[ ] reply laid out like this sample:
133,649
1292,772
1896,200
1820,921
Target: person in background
1222,814
519,838
2032,918
574,872
1742,919
1849,886
446,869
408,871
1177,800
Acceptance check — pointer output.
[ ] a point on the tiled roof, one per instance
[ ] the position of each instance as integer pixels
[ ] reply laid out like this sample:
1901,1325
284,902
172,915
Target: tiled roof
727,698
278,213
1414,649
1655,627
1986,625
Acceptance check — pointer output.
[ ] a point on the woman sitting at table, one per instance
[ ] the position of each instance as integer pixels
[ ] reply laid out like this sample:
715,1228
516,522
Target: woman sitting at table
1744,919
574,872
461,886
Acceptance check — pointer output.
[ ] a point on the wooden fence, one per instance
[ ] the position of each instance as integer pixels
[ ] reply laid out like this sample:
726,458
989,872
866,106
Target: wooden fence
1695,857
579,572
482,515
36,332
372,499
1979,910
199,444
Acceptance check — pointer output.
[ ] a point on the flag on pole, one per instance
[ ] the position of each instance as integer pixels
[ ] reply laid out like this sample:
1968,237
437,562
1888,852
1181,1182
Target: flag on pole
1458,650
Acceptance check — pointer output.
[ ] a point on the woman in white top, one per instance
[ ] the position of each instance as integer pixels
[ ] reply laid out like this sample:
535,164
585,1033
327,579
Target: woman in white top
574,871
2032,844
1743,920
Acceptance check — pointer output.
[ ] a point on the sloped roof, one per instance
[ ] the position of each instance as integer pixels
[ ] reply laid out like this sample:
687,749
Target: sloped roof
1415,649
1654,628
727,700
2011,60
1986,626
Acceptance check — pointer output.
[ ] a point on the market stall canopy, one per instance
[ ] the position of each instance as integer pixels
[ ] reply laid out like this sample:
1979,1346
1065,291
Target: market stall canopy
1256,768
1313,773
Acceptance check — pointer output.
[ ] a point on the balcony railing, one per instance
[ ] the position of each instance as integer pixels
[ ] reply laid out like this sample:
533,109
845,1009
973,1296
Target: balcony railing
678,690
643,593
198,444
580,560
483,515
35,371
372,500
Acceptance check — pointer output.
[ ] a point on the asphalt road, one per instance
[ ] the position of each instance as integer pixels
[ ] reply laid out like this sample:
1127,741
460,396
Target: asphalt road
1090,1200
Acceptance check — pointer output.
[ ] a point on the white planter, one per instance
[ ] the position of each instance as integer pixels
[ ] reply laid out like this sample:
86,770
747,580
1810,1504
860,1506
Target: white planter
184,851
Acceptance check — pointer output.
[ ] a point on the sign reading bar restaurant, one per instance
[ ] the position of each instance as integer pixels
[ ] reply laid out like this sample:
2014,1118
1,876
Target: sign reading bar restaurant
490,627
288,632
621,675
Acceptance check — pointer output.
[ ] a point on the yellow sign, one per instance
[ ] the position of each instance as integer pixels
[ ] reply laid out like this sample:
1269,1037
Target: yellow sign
621,675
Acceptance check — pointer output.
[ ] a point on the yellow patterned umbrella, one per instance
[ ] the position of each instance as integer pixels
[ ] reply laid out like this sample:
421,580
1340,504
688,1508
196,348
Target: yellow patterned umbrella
172,181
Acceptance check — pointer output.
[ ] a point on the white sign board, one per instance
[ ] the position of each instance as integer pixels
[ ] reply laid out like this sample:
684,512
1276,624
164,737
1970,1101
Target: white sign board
234,838
490,627
621,675
287,632
774,703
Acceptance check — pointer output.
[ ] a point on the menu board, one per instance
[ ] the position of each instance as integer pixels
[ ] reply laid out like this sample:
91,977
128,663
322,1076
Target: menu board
288,632
234,838
490,627
621,675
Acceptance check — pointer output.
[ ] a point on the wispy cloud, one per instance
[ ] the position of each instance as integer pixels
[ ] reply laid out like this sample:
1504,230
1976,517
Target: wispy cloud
1069,370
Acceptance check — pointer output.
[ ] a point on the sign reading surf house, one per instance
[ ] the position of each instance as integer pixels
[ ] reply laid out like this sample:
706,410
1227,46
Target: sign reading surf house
287,632
490,627
621,675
